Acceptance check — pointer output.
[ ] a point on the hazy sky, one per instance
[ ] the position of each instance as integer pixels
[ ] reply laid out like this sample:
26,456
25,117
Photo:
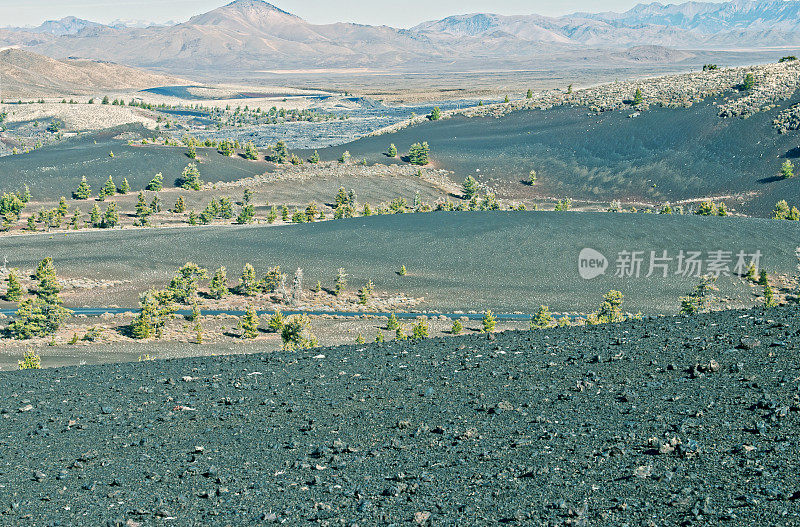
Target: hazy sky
403,13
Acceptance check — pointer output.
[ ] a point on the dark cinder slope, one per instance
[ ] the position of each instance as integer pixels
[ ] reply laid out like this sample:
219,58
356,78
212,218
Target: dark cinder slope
662,155
504,261
665,422
56,170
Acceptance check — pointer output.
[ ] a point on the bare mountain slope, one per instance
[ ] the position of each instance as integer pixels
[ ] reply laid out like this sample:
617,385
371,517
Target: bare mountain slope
25,74
249,36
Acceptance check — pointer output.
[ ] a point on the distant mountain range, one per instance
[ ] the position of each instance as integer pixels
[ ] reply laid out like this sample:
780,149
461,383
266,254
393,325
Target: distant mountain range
253,35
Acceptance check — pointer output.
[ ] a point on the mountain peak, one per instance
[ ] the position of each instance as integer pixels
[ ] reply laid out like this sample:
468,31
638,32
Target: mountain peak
256,6
246,14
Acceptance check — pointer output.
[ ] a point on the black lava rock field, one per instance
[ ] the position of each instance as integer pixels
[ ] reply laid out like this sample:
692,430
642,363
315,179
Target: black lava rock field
665,421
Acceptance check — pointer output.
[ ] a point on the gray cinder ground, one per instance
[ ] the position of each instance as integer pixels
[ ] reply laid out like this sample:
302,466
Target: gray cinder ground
667,421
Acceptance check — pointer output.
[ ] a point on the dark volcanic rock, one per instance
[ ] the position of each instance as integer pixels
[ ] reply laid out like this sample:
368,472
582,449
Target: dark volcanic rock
531,428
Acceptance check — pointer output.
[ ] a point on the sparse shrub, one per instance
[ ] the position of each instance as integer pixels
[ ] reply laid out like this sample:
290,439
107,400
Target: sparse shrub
314,159
707,208
532,177
457,327
392,323
563,205
30,361
345,157
180,206
699,301
611,309
749,82
420,329
542,319
392,152
436,114
341,282
276,321
402,271
489,322
296,333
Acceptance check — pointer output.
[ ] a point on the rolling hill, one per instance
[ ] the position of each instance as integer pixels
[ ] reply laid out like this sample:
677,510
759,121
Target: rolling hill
27,74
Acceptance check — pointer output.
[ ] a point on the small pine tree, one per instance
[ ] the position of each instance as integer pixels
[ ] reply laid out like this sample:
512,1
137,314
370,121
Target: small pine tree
95,217
392,324
198,333
125,187
402,271
470,188
529,95
638,97
764,278
246,215
457,328
769,296
156,184
180,206
13,287
248,284
249,323
392,151
84,191
379,338
542,319
436,114
109,189
787,170
341,282
110,217
190,178
489,322
749,82
218,287
419,154
314,159
360,339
